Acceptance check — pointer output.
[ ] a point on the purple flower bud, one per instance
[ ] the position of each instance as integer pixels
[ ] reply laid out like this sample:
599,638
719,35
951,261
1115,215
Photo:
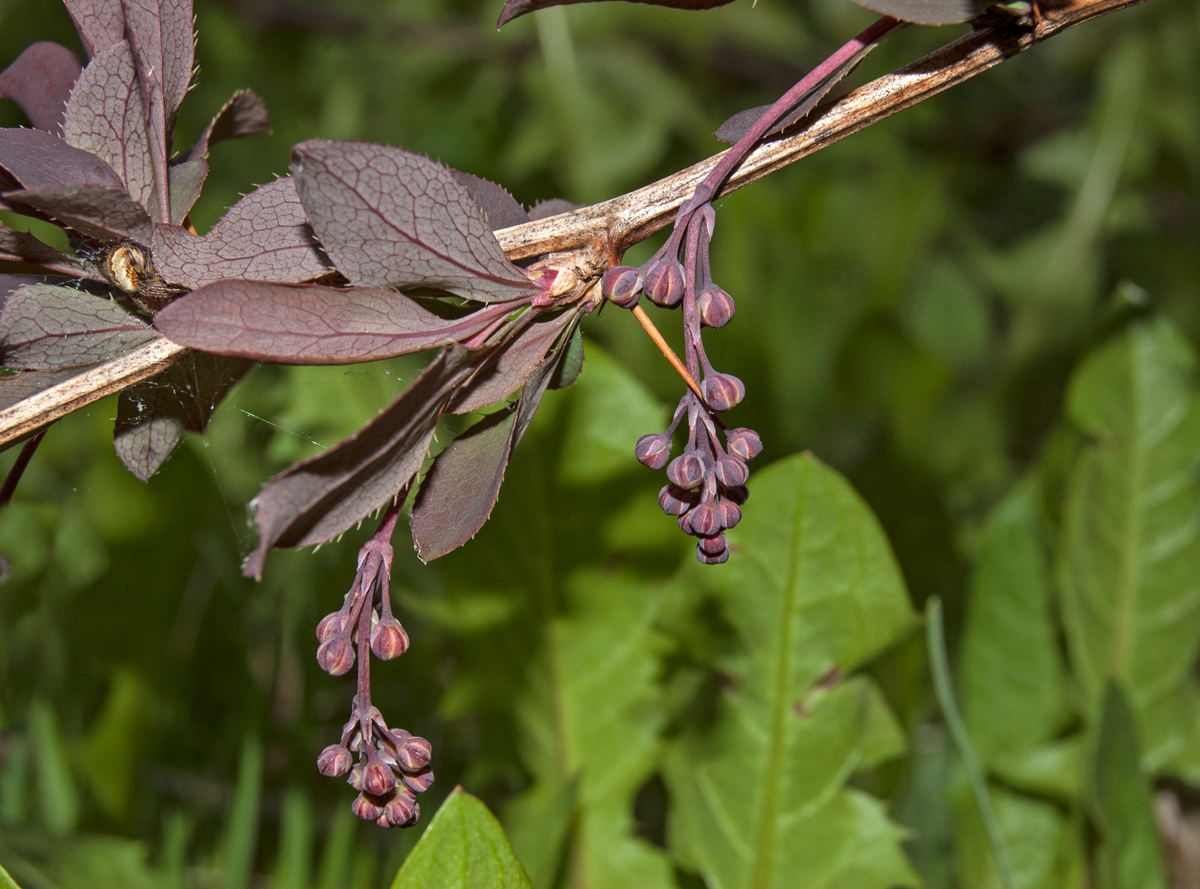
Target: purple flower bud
729,511
414,755
743,443
732,472
712,546
675,501
653,450
365,809
705,520
400,811
706,559
420,782
685,523
356,776
686,471
388,639
336,656
622,285
334,761
738,495
716,307
664,284
378,779
331,625
722,391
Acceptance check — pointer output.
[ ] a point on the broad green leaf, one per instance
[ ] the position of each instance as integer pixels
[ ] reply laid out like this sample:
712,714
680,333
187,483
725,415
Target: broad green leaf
1130,854
759,799
463,848
1012,684
591,715
1130,546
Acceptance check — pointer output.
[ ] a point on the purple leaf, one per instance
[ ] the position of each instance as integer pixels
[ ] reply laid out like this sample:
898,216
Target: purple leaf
928,12
514,8
16,388
101,213
552,207
508,369
153,415
390,218
462,486
107,116
243,115
738,125
43,327
499,207
263,236
39,81
186,179
100,23
33,158
22,247
320,498
309,323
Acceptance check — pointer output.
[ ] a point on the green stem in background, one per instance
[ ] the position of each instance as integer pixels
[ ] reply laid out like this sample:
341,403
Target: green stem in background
940,666
569,93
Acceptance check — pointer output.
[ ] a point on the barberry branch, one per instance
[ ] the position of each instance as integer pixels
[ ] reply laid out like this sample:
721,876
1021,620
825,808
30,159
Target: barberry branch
614,225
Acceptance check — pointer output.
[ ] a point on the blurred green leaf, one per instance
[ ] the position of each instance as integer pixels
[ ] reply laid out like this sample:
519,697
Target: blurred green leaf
812,593
1130,850
114,749
464,847
1130,548
7,882
57,795
240,838
296,831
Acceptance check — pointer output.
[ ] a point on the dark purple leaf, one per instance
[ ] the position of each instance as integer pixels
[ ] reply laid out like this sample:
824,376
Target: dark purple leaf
552,207
320,498
16,388
499,207
243,115
308,323
100,23
39,81
101,213
263,236
462,486
514,8
508,369
153,415
738,125
186,180
33,158
928,12
390,218
22,247
106,115
44,327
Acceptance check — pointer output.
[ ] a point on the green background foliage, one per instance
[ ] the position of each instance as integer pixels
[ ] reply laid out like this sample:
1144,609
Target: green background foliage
968,337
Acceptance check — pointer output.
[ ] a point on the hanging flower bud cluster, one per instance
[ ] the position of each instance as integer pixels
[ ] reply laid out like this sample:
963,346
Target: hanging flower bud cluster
392,766
707,481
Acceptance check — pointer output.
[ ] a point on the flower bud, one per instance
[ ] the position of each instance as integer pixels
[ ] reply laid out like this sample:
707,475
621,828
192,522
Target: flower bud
675,501
705,520
743,443
731,472
622,285
706,559
400,811
331,625
664,284
686,471
414,755
356,776
730,513
712,546
365,809
715,306
653,450
738,495
334,761
336,656
388,639
420,782
722,391
378,779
